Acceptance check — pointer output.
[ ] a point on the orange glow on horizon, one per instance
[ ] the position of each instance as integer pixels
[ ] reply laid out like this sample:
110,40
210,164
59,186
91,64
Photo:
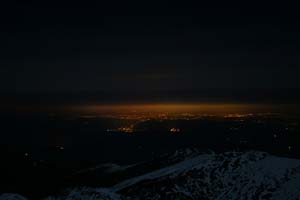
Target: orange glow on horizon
162,110
205,108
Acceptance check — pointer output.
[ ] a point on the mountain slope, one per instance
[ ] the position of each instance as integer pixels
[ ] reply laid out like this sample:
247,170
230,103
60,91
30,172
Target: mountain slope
251,175
189,174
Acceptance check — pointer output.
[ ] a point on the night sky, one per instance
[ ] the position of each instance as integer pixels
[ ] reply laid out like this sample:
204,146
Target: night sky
147,47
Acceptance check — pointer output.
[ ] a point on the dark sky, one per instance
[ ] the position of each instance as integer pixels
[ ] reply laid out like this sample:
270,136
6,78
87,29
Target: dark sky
123,46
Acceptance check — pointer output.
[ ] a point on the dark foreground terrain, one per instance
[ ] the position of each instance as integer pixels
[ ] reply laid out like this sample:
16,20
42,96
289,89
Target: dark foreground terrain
191,174
91,157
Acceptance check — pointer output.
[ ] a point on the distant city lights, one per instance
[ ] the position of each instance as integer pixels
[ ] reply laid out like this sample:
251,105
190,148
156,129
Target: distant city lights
174,130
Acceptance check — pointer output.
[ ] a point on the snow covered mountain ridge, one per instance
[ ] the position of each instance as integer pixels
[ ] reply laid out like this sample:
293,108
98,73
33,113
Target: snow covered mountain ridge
193,175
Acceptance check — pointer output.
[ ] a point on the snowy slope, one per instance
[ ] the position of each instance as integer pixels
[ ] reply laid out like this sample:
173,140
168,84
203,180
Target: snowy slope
194,175
251,175
87,193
